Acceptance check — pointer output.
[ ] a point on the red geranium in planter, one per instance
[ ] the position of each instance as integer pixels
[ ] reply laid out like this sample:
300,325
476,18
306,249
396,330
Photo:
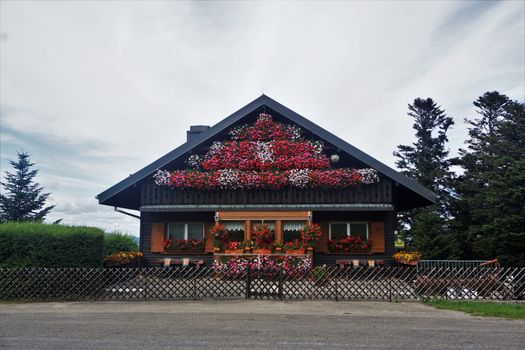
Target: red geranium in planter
310,234
350,244
220,235
184,246
263,236
264,155
294,248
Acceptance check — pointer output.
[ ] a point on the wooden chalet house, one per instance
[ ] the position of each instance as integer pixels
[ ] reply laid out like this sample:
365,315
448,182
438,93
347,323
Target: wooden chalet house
267,164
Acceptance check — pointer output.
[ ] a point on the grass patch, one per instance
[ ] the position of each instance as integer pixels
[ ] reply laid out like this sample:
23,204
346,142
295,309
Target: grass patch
480,308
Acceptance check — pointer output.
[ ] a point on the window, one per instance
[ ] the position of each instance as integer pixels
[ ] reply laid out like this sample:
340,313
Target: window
178,230
291,230
340,230
235,230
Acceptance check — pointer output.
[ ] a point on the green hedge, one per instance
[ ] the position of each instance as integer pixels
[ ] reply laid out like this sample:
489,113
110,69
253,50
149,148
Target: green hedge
115,242
45,245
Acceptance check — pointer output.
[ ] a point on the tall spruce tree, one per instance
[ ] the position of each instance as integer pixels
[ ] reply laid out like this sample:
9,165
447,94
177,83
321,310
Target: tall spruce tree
22,199
426,161
490,211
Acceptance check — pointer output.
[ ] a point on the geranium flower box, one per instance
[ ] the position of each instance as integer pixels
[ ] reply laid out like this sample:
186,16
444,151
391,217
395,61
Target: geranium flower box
262,251
185,251
407,262
351,251
295,251
233,251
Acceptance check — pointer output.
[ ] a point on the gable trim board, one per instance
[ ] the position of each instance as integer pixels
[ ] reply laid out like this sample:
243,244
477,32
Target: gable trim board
106,196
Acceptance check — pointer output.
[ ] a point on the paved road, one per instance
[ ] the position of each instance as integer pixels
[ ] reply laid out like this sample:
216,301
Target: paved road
250,325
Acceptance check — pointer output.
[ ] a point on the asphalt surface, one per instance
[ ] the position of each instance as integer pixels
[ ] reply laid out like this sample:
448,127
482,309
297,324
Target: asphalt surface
251,325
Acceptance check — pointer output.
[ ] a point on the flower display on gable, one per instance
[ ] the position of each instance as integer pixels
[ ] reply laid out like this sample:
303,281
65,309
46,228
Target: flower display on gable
264,155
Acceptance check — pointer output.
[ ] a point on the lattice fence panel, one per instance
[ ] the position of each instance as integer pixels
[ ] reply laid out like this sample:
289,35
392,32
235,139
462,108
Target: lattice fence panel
332,283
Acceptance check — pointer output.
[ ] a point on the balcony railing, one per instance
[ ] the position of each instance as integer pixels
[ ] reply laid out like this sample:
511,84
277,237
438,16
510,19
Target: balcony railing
381,192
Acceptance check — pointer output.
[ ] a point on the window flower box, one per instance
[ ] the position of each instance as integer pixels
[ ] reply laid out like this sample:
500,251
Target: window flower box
233,251
262,251
294,251
185,251
350,245
183,246
407,258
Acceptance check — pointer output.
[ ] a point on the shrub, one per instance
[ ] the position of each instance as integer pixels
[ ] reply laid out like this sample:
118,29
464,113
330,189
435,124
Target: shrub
115,242
31,244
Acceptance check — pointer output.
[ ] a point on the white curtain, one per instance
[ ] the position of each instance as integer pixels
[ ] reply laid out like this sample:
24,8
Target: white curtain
234,225
293,225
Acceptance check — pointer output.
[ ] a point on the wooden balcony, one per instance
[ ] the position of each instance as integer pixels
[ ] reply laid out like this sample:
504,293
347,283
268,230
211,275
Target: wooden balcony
381,192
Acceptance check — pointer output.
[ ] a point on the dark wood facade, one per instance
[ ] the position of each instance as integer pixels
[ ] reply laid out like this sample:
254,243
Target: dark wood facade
383,240
375,204
374,193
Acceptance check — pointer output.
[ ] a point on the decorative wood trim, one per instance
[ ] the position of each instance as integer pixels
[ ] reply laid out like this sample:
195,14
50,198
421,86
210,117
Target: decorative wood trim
278,231
248,230
263,215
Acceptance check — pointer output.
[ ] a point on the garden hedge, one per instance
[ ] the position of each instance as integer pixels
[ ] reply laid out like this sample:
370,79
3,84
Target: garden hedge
46,245
115,242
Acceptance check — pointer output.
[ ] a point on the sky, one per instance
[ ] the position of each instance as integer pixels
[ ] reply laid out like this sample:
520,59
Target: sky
94,91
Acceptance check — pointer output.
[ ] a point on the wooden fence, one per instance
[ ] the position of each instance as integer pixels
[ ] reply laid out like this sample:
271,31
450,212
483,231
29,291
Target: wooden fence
331,283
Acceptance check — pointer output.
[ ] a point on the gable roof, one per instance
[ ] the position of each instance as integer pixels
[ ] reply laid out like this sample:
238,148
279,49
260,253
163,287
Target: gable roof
115,195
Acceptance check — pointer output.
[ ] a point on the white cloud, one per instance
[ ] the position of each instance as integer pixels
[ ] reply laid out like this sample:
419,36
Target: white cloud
118,83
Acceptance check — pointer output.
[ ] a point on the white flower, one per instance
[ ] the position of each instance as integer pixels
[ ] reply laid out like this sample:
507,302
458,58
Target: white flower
215,148
194,161
236,131
369,175
229,179
299,177
318,146
162,178
295,132
264,151
264,117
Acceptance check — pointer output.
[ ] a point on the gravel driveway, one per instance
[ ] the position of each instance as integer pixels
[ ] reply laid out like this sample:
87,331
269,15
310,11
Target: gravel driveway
250,325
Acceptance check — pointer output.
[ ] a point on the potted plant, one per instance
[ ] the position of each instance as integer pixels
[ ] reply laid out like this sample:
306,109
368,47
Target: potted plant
220,236
247,245
234,248
263,237
351,244
278,247
123,259
294,248
177,246
407,258
310,234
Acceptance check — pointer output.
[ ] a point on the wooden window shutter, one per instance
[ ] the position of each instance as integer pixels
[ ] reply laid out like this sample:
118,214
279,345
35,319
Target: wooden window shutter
208,238
377,235
158,234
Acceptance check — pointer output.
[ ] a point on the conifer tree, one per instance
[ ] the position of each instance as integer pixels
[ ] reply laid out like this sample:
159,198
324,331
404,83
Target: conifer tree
426,161
22,199
490,211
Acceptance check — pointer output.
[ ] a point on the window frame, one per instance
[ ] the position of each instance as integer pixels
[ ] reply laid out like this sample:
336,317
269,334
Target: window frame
243,230
348,233
283,240
185,229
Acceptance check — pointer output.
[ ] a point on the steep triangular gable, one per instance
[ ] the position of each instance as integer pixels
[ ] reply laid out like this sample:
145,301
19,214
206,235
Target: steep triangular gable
109,197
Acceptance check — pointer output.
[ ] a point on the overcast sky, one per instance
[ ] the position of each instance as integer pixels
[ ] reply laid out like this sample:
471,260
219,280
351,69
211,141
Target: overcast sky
94,91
